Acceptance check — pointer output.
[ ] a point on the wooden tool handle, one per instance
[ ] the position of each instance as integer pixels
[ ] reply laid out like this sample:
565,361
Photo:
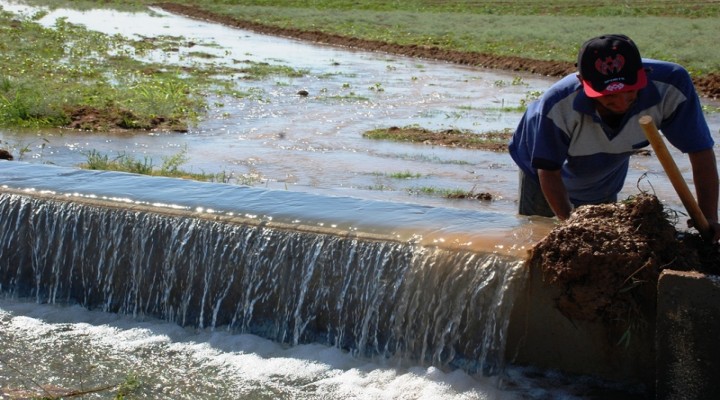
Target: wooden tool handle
676,178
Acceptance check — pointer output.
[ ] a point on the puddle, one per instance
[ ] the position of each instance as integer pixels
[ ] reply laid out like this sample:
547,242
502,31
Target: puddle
281,140
314,143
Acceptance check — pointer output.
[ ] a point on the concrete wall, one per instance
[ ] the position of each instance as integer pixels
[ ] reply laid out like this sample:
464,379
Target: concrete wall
688,336
676,357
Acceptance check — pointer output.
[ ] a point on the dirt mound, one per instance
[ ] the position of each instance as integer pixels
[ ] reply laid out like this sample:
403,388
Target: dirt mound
110,119
708,85
607,258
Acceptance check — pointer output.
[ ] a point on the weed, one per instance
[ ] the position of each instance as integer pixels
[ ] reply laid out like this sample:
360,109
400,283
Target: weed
403,175
450,193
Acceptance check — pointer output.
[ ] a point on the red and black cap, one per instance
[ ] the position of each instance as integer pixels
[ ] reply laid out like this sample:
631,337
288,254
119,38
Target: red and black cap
610,64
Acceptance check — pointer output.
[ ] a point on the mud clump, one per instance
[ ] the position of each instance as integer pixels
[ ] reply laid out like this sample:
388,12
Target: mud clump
606,259
87,118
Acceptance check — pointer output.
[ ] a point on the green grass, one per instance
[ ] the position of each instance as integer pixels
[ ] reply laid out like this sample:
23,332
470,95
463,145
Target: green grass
263,70
449,193
499,7
400,175
170,166
52,77
45,73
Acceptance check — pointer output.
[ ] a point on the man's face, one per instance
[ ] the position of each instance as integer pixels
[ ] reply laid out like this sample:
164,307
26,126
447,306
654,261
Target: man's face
618,103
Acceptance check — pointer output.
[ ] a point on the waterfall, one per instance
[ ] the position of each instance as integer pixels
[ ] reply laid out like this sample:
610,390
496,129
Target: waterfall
373,297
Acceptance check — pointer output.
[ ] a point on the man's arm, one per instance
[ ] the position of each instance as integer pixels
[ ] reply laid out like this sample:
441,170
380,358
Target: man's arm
555,193
705,176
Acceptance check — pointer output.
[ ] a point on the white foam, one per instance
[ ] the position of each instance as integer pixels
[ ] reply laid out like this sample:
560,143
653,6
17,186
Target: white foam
166,352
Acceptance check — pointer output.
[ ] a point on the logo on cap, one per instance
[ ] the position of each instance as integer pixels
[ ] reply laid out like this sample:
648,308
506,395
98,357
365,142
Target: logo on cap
615,87
610,65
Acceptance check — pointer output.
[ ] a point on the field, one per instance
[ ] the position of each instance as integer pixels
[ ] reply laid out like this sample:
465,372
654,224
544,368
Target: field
536,36
501,31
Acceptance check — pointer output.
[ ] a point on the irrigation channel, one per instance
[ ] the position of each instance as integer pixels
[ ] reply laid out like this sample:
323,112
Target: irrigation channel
328,279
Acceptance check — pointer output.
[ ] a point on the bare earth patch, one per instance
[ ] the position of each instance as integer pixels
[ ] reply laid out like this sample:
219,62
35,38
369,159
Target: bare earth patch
607,258
110,119
491,141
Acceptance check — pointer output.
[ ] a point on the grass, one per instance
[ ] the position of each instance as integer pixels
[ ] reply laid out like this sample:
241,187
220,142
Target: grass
170,166
68,76
403,175
451,193
545,30
47,73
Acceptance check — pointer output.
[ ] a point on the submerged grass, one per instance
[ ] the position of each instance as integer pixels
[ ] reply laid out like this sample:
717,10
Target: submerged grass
47,74
68,76
170,167
545,30
455,194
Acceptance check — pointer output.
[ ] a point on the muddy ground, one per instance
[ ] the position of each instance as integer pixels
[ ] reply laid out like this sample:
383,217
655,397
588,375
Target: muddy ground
607,258
708,85
490,141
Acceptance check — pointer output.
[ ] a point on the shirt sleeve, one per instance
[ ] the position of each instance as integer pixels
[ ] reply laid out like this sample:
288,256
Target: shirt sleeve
550,145
683,122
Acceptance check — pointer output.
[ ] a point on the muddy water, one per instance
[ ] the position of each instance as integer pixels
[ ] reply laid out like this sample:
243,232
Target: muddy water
278,139
281,140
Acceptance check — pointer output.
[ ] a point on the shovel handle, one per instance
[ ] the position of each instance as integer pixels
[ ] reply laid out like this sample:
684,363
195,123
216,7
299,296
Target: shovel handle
676,178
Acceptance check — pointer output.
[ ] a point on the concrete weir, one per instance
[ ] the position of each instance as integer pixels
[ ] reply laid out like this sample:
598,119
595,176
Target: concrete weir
672,350
437,286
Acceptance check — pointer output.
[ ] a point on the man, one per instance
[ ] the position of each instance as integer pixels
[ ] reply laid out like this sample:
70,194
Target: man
573,145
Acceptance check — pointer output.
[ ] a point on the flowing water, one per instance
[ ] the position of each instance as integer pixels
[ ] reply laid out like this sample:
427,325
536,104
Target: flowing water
224,293
398,337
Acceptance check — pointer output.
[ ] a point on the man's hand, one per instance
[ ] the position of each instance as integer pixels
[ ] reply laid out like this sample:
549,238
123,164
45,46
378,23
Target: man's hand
705,175
555,193
714,229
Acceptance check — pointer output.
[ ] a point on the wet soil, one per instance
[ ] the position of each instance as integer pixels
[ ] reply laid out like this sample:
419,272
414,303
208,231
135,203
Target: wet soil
707,85
491,141
607,258
111,119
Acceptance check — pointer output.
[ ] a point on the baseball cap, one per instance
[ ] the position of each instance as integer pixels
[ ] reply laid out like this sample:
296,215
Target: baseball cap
610,64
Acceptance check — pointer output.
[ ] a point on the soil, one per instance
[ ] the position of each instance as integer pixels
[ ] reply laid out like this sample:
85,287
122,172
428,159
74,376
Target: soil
606,259
491,141
108,119
707,85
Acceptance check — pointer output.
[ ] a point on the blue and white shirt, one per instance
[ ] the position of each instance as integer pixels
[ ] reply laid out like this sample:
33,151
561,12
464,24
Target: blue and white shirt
562,130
